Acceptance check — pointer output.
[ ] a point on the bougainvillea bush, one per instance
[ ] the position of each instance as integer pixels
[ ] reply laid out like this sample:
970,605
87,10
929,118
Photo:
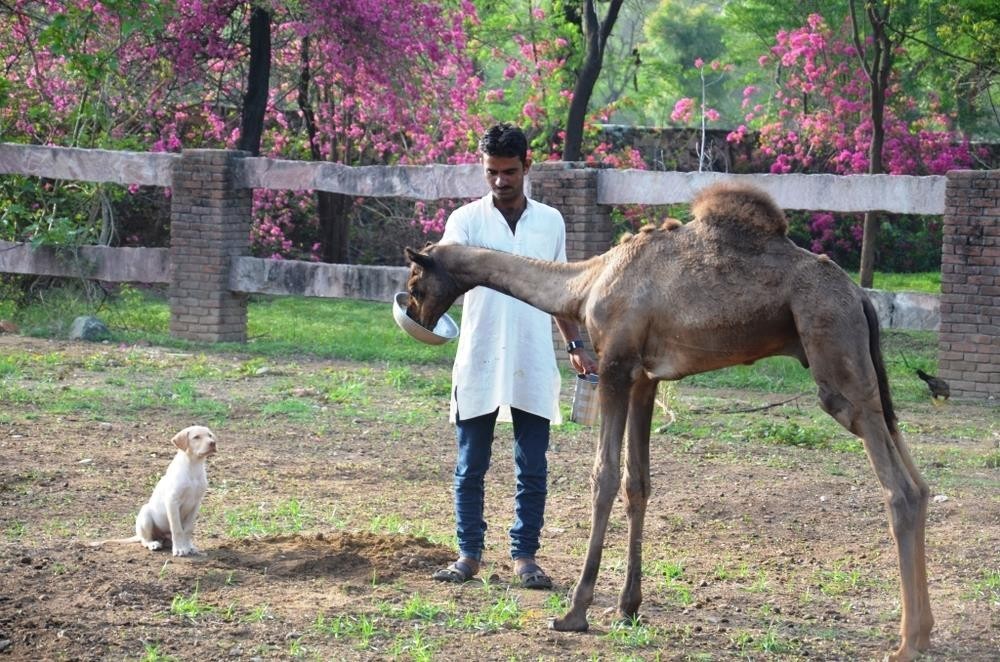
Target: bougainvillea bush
817,119
908,243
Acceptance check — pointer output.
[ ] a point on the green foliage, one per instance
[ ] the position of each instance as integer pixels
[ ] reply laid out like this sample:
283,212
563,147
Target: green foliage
49,212
678,32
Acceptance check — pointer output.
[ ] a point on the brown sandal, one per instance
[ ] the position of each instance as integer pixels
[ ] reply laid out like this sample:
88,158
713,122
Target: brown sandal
532,576
458,572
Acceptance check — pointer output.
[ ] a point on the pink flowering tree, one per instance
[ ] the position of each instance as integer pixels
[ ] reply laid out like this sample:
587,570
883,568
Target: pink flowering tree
354,81
819,118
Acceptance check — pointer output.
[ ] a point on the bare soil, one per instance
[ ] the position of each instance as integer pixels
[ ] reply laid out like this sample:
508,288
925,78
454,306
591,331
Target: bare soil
783,552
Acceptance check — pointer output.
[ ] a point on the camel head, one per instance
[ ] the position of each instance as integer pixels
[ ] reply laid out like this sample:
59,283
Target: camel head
432,289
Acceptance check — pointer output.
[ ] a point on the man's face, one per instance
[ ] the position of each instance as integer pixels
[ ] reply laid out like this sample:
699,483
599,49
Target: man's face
505,175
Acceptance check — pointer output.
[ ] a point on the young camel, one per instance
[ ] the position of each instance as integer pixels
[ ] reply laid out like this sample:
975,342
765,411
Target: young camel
727,288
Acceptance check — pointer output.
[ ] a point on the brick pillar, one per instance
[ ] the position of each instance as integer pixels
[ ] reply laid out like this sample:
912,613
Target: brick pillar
969,340
572,189
209,225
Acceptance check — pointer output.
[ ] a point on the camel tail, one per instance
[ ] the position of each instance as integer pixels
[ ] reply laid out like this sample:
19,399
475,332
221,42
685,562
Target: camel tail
875,347
115,541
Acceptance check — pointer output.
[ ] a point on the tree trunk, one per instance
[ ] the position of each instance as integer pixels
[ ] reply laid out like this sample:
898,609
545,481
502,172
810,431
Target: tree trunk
332,209
258,82
595,34
872,223
878,72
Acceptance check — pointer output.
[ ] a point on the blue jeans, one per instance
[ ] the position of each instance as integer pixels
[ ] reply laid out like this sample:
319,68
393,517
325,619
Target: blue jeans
475,445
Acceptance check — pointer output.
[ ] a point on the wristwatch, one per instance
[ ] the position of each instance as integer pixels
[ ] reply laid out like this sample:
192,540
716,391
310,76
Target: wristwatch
572,345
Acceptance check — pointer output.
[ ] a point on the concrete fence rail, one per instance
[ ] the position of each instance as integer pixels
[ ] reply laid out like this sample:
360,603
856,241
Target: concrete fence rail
207,266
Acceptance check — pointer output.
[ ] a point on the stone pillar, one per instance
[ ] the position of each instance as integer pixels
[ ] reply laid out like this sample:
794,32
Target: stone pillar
969,341
209,225
572,189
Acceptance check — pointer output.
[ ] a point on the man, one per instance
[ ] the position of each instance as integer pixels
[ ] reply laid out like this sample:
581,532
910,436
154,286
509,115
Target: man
505,365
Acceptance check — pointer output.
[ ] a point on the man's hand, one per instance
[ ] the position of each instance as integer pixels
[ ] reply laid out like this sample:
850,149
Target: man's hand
582,361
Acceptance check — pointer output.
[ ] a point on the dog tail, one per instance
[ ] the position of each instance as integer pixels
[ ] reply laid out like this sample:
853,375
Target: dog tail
115,541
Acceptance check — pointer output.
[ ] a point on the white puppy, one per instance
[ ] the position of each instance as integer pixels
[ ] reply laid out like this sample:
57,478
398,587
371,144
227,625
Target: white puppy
171,511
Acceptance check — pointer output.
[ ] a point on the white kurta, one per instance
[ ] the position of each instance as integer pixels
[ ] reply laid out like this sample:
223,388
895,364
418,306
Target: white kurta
505,356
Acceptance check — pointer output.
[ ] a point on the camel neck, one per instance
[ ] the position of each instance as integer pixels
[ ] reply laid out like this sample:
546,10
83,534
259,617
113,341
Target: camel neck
558,288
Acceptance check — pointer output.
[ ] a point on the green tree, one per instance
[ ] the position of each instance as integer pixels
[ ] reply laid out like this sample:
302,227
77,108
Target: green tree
678,32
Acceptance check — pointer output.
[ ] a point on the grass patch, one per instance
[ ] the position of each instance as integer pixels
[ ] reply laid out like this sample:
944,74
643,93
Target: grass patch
360,630
417,608
789,433
632,633
190,607
670,578
288,517
151,653
928,282
988,587
504,612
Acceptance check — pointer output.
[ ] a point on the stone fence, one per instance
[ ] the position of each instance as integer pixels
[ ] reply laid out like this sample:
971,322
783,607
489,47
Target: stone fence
210,273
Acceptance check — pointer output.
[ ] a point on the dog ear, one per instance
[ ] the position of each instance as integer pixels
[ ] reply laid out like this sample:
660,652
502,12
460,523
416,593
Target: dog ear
181,439
420,259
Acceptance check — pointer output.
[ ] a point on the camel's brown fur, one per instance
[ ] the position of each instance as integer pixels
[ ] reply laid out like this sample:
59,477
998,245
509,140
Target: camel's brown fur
727,288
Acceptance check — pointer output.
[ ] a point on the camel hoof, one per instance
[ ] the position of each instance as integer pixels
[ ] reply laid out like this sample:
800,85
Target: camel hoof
568,623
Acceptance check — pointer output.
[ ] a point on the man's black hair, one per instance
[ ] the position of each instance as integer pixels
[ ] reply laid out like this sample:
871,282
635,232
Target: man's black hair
504,140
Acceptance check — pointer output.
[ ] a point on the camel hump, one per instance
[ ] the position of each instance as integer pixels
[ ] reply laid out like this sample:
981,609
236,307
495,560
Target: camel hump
729,204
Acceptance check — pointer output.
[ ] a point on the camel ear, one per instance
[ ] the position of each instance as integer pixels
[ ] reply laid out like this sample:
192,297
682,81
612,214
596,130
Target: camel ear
420,259
180,439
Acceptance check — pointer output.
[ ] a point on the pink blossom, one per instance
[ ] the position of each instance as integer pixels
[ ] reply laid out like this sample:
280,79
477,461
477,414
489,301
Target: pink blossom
683,110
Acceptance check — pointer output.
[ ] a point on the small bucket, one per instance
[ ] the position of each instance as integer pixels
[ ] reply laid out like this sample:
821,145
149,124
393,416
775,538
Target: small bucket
585,401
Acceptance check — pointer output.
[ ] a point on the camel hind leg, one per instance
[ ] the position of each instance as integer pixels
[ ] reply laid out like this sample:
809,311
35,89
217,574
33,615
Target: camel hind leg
853,390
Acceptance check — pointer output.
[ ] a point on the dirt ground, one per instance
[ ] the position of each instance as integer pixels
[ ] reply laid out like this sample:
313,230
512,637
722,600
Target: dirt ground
330,506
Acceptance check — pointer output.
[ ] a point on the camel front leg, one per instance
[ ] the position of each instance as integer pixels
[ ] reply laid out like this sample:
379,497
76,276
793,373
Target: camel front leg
637,489
605,481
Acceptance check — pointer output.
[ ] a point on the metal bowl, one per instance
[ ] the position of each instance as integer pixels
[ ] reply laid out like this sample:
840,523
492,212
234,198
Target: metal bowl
446,329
